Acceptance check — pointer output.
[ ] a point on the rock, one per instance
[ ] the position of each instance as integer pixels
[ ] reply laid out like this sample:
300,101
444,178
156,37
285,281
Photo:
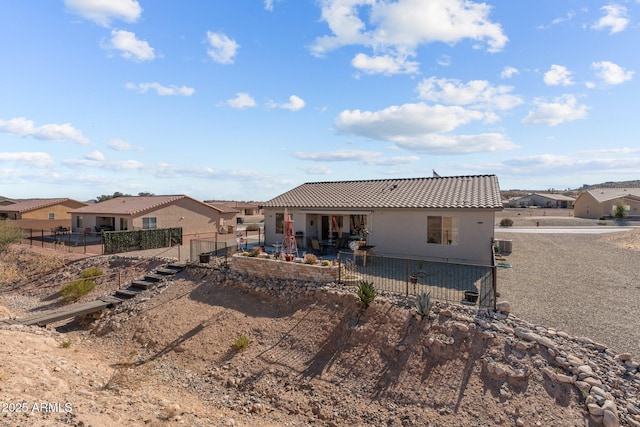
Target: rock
610,419
595,409
625,356
566,379
504,306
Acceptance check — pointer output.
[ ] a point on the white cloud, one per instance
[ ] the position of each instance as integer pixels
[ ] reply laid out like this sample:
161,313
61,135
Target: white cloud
543,163
221,49
295,103
96,156
160,89
396,29
35,159
444,61
129,46
398,122
611,73
475,93
384,64
241,101
370,158
615,19
103,12
122,145
317,170
558,75
508,72
416,126
457,144
562,109
52,132
268,4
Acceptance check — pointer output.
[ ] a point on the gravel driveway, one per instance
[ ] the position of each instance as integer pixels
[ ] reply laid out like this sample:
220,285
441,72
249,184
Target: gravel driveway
583,284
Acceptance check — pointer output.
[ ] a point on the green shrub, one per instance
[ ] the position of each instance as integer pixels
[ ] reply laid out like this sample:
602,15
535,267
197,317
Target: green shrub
91,272
240,343
310,259
65,344
619,211
76,290
366,293
9,233
424,303
506,222
254,252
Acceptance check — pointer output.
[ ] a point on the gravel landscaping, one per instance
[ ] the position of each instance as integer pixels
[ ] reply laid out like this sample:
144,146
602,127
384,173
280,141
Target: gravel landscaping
584,284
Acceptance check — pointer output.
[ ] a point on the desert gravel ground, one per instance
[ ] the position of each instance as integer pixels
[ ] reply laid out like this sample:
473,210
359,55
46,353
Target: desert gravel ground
584,284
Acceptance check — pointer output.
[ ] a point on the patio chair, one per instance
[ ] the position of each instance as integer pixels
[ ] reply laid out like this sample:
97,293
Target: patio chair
315,245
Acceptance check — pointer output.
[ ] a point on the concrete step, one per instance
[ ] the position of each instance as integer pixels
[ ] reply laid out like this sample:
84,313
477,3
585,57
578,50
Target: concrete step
177,266
166,271
142,284
151,277
128,293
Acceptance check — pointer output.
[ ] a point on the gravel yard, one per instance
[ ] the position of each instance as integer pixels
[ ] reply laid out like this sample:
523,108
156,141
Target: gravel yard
584,284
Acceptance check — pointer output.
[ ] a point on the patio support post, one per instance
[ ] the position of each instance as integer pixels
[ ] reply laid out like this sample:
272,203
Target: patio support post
406,275
42,238
31,237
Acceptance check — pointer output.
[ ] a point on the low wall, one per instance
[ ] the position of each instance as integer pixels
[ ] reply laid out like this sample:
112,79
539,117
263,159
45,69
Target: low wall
272,268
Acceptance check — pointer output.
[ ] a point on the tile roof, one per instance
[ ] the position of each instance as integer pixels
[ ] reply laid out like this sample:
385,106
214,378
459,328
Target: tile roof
553,196
32,204
132,205
604,194
478,191
222,207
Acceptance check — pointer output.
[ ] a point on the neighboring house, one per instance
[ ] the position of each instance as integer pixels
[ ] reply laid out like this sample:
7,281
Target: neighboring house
40,209
543,200
243,208
150,212
600,202
448,218
4,201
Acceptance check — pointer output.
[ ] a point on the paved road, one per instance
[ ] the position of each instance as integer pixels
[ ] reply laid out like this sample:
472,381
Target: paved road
563,230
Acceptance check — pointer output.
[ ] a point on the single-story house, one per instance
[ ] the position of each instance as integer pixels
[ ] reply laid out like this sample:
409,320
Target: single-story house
601,202
543,200
449,218
150,212
40,209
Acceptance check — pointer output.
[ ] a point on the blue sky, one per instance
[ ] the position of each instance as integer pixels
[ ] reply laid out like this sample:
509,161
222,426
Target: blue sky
246,99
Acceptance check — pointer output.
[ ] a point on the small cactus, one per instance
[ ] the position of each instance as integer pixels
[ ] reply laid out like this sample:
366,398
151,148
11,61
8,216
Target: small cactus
424,303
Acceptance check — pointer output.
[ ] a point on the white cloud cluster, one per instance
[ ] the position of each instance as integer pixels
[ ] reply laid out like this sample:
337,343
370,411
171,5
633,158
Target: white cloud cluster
508,72
122,145
160,89
221,48
241,101
129,46
369,158
558,75
419,127
394,30
35,159
562,109
102,12
611,73
615,19
295,103
52,132
475,93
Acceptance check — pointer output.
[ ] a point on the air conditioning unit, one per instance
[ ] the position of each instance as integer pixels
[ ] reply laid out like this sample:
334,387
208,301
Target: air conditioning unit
504,246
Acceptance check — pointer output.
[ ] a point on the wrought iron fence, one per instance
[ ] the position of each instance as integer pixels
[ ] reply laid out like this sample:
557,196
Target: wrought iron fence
203,249
64,241
446,281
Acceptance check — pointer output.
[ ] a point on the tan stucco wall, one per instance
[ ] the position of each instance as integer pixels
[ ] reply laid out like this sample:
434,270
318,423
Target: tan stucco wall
61,211
193,217
586,206
403,232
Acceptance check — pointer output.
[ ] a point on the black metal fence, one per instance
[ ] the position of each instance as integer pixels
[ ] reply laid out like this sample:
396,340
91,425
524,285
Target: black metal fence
446,281
204,249
64,241
137,240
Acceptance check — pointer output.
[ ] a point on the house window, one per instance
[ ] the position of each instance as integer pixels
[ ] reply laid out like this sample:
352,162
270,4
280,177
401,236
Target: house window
79,221
442,230
280,222
52,215
124,224
149,223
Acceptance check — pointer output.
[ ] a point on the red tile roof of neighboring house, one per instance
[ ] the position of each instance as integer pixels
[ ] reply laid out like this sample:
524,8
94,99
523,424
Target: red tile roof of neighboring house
478,191
223,208
604,194
33,204
132,205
